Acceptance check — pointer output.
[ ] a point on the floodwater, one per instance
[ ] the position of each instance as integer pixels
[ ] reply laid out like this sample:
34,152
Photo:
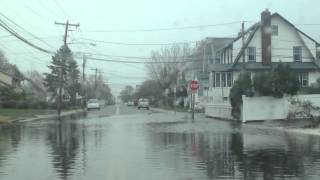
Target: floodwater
153,146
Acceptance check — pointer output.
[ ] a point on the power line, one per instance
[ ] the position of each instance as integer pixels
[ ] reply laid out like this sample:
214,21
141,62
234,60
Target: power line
138,62
11,31
48,9
138,44
63,11
167,29
35,37
31,10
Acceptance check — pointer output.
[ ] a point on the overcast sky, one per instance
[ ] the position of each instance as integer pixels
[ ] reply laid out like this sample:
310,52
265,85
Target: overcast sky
96,16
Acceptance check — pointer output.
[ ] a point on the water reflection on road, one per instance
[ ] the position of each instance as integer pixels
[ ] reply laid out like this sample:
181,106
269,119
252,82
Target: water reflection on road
152,146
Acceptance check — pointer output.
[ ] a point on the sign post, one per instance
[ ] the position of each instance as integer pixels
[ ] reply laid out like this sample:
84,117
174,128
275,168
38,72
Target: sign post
194,86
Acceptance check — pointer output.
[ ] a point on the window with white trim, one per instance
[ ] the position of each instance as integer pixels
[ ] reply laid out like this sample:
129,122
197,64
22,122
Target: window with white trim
217,79
229,79
224,79
274,30
297,53
213,80
218,58
303,78
252,54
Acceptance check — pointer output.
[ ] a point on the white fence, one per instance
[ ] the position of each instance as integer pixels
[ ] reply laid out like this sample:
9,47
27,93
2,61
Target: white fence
260,108
270,108
264,108
222,111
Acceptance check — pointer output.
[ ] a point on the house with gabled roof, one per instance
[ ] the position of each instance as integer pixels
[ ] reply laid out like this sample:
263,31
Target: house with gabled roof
261,47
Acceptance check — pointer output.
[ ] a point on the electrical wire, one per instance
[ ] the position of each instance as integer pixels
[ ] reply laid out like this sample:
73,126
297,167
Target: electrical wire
167,29
63,11
54,14
138,44
4,26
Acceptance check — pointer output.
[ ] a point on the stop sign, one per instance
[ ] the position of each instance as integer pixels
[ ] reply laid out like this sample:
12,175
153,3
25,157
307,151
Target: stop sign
194,85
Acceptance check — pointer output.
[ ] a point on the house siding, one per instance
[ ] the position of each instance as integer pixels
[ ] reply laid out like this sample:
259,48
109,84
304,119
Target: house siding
283,43
5,79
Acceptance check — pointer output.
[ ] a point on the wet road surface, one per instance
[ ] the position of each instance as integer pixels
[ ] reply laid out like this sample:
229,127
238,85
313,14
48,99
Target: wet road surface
122,142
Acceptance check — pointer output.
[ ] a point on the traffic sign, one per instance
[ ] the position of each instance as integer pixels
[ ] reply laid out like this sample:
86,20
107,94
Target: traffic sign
194,85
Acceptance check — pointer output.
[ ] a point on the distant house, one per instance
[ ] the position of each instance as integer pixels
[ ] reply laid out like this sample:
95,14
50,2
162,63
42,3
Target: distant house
7,80
266,44
204,56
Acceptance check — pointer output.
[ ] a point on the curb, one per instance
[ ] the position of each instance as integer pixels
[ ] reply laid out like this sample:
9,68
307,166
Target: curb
52,117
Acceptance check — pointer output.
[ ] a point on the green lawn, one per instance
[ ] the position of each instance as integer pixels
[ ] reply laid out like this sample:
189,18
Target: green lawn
23,113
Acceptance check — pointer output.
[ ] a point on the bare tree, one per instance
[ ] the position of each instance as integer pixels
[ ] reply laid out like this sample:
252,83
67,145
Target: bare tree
167,62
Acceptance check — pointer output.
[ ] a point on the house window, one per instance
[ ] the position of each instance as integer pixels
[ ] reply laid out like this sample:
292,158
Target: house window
224,79
303,78
252,54
217,79
224,57
210,60
213,80
217,58
229,79
274,30
297,51
228,61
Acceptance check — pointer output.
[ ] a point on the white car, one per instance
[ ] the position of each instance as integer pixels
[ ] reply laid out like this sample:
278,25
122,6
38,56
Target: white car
143,103
130,103
93,104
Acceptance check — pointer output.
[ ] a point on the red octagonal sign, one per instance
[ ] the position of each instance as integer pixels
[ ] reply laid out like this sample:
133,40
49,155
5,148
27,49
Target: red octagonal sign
194,85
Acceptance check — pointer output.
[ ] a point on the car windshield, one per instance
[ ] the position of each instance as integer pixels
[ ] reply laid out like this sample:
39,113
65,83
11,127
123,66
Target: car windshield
160,89
93,101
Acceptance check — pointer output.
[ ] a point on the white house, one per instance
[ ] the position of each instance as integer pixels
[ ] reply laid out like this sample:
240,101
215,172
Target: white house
267,43
198,69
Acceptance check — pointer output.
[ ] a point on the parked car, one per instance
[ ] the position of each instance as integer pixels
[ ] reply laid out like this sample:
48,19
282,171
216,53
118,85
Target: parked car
130,103
143,103
93,104
135,102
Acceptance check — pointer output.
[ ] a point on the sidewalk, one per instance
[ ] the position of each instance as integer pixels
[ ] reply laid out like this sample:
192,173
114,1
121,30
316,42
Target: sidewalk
52,116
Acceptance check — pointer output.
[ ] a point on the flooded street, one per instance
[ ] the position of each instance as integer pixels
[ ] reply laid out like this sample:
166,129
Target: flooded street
124,143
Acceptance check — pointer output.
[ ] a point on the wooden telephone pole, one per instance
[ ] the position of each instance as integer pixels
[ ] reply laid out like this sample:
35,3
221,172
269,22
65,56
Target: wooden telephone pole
243,48
62,67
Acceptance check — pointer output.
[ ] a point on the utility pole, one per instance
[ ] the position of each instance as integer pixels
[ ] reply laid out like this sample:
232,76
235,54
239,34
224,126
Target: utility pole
243,49
96,71
84,99
95,78
62,67
84,61
67,25
60,92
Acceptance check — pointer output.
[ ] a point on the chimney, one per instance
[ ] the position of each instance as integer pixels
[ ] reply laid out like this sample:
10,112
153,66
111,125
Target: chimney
266,37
